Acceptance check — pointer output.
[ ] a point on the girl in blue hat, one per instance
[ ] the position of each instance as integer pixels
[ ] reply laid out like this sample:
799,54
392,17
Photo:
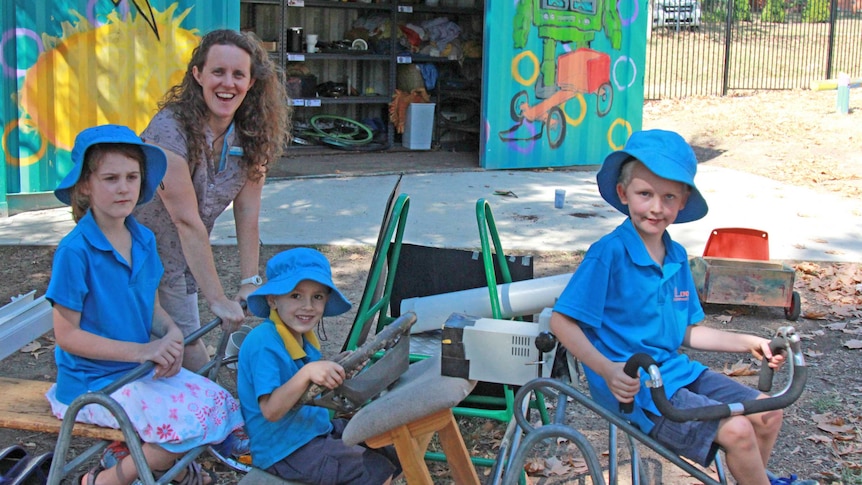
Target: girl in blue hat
634,292
103,290
279,359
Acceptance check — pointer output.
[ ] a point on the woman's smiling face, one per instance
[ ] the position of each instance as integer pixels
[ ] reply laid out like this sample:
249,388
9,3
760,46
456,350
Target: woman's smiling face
225,79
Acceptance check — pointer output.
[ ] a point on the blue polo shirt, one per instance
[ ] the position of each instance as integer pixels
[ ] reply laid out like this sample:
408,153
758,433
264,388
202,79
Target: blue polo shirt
264,365
626,303
115,299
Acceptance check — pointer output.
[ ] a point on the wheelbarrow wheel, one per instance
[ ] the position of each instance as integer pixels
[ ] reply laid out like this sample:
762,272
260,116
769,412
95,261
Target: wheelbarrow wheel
556,127
604,99
516,109
795,309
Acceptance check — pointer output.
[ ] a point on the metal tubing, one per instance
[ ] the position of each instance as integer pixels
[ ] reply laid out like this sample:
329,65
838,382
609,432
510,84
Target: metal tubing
60,467
622,424
788,339
552,431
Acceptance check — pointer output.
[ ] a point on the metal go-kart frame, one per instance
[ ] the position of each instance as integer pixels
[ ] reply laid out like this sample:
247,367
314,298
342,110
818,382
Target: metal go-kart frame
521,436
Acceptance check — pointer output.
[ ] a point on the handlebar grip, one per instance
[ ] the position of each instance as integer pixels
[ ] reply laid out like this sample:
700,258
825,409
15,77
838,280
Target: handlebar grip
764,383
787,397
631,370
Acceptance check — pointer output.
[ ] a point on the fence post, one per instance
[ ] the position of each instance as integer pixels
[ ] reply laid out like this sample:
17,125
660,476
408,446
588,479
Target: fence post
833,19
728,35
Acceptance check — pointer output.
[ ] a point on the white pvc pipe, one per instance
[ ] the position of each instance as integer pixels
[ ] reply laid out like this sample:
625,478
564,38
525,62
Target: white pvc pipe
516,299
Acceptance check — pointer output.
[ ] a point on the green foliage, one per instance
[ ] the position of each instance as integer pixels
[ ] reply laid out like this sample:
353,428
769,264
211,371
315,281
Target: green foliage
742,10
826,402
851,477
816,11
774,11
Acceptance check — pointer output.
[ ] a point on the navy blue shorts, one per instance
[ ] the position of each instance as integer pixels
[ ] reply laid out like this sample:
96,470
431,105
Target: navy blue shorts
326,460
696,439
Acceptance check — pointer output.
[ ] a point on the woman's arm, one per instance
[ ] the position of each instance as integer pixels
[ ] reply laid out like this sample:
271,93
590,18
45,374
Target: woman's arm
71,338
246,214
179,197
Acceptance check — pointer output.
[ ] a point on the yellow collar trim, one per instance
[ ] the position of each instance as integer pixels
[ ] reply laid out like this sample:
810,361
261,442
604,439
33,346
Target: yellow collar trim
293,347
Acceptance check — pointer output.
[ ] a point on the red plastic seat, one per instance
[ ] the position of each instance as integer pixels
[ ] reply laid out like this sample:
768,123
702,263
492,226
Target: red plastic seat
739,243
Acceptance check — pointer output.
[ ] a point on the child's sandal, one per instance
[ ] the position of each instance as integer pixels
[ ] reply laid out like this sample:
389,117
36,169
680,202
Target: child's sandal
89,478
195,475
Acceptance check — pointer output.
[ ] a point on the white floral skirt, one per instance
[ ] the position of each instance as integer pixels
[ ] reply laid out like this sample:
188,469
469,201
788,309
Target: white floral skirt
178,413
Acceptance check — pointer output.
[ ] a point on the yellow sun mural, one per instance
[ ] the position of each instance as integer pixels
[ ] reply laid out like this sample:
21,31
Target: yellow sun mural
114,72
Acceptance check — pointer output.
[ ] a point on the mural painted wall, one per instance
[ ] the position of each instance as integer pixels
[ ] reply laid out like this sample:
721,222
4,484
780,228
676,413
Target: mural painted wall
71,64
564,80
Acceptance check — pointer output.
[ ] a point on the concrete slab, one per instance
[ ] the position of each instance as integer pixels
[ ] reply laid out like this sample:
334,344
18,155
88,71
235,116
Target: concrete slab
802,224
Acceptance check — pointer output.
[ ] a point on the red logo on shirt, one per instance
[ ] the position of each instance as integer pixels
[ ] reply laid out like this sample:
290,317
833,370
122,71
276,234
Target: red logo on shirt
680,295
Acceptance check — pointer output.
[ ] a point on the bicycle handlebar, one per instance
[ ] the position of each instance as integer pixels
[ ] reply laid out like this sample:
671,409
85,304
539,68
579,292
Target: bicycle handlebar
785,340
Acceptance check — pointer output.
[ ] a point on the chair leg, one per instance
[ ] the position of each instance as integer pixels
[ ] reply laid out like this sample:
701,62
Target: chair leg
412,439
411,457
457,455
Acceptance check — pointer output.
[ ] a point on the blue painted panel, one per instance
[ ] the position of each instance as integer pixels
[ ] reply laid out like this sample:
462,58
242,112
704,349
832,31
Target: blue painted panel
564,81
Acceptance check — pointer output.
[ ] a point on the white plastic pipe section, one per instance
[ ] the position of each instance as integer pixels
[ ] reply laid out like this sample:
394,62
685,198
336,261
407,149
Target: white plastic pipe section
520,298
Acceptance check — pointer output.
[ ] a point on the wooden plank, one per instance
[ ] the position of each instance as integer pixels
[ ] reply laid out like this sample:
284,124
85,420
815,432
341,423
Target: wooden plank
23,405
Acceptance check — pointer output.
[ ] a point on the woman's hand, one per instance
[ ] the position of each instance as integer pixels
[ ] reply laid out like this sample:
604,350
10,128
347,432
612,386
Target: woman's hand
231,313
244,291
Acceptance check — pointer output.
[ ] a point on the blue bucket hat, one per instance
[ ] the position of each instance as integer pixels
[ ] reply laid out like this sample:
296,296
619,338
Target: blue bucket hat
155,159
286,270
665,154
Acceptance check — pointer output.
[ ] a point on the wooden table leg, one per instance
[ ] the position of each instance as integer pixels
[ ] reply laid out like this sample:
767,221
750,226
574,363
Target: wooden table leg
412,439
463,471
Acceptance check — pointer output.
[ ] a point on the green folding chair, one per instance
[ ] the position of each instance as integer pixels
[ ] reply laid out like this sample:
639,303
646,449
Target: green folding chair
381,275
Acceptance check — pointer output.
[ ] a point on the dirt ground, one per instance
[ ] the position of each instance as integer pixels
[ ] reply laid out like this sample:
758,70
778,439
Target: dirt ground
792,136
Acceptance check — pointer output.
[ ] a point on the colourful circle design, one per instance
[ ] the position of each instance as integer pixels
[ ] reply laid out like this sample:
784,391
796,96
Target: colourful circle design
580,119
526,147
623,123
10,71
619,86
33,158
630,20
517,75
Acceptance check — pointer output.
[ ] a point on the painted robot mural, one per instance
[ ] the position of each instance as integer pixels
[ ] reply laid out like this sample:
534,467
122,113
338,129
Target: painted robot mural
71,64
575,92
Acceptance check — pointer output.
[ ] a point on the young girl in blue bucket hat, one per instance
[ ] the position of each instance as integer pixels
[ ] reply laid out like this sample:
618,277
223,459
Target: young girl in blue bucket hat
279,359
634,292
103,289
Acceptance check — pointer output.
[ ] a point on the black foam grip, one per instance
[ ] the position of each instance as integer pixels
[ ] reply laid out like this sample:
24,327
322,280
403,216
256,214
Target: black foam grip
631,370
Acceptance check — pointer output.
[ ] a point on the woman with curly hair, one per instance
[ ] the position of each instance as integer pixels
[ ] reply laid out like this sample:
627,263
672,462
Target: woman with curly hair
220,127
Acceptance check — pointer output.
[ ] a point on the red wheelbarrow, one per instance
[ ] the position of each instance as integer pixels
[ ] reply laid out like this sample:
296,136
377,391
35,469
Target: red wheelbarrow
580,71
735,269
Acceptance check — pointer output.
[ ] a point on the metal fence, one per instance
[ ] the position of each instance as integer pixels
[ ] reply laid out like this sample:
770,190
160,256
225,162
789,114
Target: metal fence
712,47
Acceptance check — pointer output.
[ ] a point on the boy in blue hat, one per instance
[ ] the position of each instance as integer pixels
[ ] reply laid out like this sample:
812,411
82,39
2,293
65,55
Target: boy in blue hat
634,292
279,359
